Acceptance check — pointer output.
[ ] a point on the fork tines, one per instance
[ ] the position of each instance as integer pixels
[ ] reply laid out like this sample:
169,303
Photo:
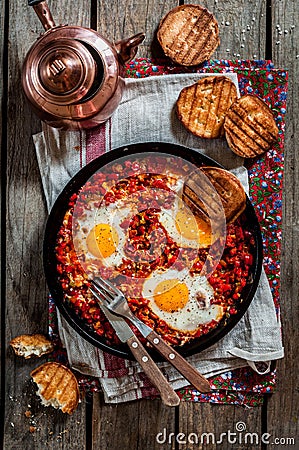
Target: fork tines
106,287
100,285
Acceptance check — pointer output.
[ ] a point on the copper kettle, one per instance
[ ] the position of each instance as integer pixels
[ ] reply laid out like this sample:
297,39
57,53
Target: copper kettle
72,76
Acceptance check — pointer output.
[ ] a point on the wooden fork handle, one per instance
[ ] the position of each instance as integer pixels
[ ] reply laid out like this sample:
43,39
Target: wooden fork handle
180,363
168,395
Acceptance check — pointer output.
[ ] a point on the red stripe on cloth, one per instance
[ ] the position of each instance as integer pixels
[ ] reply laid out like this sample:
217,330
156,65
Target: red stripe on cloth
113,363
146,383
149,392
95,142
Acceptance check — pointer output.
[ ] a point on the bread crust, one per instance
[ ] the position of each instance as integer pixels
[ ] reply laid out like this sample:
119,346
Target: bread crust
188,34
58,386
197,194
250,127
30,345
202,106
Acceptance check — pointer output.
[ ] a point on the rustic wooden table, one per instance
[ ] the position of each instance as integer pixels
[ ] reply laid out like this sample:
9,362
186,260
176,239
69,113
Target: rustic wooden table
249,29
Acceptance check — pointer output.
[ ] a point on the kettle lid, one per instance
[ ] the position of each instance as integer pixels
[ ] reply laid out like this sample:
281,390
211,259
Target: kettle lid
64,71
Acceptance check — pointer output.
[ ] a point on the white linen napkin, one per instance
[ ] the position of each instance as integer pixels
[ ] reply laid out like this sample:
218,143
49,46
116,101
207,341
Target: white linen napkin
147,114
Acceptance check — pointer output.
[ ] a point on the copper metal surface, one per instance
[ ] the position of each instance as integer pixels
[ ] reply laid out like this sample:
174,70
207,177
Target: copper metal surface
44,14
72,75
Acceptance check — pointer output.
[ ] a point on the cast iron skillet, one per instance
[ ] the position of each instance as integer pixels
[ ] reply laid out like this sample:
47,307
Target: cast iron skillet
54,222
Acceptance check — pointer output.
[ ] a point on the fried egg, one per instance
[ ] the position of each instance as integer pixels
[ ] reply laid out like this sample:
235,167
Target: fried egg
177,185
181,300
186,229
98,235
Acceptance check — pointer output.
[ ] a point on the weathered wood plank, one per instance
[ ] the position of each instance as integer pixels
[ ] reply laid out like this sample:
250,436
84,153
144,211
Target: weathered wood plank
26,300
2,115
283,407
222,427
133,425
124,18
2,13
29,425
242,24
242,27
66,12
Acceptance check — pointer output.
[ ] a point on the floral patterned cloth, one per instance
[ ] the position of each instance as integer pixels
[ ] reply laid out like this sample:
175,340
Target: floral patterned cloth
242,386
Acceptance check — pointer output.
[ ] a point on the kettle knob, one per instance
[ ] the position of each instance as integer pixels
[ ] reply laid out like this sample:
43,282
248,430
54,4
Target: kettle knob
59,73
66,71
127,48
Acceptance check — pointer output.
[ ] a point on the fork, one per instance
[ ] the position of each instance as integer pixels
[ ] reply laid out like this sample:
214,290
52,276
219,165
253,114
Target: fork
125,334
117,303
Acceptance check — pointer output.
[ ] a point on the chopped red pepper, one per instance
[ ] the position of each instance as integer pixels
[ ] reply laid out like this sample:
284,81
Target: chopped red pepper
228,280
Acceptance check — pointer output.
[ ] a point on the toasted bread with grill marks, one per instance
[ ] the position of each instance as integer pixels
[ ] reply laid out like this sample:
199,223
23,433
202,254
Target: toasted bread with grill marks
202,106
201,195
29,345
188,34
58,386
250,128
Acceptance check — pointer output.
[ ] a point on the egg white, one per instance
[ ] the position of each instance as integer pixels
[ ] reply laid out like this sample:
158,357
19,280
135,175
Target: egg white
168,218
112,215
194,313
177,185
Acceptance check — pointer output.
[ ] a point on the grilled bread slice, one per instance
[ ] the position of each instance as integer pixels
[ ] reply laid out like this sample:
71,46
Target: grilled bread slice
201,196
29,345
250,128
58,386
188,34
202,106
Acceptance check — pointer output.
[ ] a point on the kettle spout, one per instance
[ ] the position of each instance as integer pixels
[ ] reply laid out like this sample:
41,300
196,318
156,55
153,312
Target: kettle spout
43,12
127,48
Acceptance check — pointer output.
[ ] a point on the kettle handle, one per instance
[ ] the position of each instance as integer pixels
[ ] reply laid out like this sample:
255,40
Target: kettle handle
43,12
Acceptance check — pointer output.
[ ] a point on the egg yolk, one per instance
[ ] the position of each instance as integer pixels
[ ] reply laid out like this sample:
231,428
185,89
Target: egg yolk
186,224
102,240
171,295
193,228
204,231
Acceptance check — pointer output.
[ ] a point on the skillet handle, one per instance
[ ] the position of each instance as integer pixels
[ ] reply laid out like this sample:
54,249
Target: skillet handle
168,395
43,12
